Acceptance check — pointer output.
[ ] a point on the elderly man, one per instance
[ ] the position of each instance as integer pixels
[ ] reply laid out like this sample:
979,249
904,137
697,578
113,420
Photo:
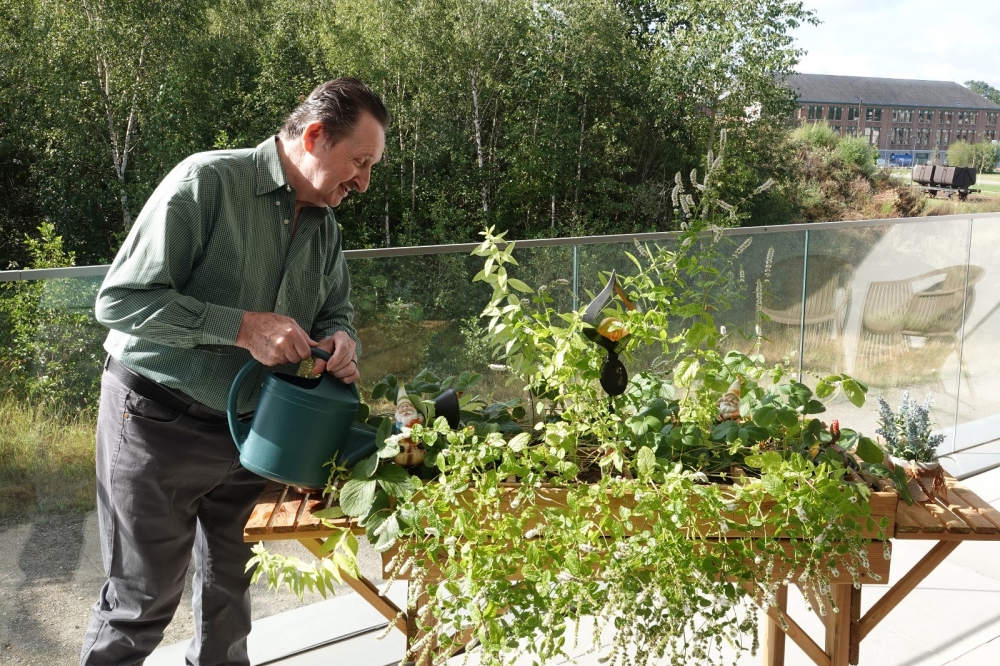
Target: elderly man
236,254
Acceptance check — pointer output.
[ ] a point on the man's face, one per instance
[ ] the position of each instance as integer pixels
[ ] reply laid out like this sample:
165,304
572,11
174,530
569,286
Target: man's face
330,173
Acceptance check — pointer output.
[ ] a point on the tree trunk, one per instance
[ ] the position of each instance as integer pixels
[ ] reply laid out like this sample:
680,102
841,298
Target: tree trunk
413,176
120,146
579,161
479,139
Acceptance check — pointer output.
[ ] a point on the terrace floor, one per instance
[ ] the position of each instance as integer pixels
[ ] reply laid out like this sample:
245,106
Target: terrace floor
953,616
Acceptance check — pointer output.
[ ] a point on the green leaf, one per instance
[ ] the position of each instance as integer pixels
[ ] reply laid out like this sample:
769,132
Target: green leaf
395,480
646,462
727,430
366,468
787,417
765,415
520,442
824,389
357,496
331,513
869,451
386,533
854,392
520,286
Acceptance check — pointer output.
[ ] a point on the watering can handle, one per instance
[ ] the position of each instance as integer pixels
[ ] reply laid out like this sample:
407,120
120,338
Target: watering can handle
239,430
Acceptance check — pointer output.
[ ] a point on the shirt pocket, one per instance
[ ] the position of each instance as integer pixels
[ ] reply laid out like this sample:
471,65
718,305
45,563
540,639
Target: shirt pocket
306,292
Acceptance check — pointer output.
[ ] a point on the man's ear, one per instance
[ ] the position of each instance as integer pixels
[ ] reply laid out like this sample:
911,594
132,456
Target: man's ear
313,136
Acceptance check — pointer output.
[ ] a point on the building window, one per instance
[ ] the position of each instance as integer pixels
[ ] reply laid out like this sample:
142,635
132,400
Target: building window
968,117
990,135
850,130
944,117
815,113
926,115
871,133
943,137
853,113
991,117
836,129
902,115
834,112
873,115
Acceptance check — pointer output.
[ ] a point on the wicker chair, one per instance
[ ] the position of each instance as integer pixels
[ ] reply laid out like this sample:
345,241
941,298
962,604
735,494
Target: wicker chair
826,276
897,309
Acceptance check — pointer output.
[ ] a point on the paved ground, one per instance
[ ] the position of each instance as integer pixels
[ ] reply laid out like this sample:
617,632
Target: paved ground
50,576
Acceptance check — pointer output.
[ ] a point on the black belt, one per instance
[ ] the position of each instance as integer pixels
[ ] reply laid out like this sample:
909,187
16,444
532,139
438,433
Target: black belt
170,398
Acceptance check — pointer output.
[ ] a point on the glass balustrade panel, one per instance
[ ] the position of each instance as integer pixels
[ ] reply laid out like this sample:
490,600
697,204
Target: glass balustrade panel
884,304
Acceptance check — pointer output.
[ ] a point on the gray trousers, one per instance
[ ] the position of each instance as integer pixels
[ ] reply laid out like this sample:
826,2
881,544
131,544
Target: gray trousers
168,485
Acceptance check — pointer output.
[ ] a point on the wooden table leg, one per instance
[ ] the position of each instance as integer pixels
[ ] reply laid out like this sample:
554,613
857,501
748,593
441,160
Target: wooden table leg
774,636
838,631
855,655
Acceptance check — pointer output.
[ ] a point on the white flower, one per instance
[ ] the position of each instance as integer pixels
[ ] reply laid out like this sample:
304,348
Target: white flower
532,534
431,531
587,548
564,577
722,330
451,541
730,507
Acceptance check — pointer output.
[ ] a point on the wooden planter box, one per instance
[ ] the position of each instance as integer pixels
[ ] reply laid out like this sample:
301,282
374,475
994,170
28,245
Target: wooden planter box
882,503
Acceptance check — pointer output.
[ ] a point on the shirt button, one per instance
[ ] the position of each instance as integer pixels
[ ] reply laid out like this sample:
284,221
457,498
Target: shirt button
285,221
288,188
278,202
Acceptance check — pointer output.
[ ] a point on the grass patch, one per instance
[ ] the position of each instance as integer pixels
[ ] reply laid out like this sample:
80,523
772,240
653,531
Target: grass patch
46,459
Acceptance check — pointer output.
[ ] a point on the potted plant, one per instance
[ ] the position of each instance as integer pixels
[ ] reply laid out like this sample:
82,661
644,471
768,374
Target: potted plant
709,481
910,445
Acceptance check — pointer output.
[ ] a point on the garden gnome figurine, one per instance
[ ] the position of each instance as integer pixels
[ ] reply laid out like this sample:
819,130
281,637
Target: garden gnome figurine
729,403
406,417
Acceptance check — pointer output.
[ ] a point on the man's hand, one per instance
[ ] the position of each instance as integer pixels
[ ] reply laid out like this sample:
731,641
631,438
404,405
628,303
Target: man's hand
274,339
343,363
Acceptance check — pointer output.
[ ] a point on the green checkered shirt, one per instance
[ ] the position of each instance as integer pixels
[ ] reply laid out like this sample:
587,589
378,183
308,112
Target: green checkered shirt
215,240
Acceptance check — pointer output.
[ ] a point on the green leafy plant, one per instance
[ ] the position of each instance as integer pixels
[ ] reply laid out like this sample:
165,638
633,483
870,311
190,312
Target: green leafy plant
657,512
907,433
50,346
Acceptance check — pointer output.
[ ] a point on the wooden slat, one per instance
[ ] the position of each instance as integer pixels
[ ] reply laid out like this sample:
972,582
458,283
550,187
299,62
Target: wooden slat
259,521
913,518
985,510
951,522
979,523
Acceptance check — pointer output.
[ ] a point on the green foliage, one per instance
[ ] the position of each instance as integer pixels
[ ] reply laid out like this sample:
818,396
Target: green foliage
907,433
982,156
984,89
858,153
612,514
816,135
563,118
49,342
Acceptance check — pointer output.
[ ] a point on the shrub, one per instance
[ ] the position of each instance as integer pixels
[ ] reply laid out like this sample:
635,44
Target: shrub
816,135
50,345
858,153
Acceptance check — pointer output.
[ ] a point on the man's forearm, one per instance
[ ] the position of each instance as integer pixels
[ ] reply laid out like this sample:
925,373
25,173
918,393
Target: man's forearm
166,317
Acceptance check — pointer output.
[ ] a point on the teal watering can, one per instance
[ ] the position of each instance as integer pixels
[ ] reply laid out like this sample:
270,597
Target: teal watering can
299,425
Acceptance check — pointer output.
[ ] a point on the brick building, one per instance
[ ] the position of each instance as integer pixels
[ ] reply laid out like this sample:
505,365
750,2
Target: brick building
907,119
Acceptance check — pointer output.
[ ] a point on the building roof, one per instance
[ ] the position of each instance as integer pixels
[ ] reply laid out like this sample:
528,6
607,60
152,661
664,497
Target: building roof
829,89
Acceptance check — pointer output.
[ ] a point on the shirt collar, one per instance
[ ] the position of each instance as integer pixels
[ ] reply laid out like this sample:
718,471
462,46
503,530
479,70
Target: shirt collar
270,172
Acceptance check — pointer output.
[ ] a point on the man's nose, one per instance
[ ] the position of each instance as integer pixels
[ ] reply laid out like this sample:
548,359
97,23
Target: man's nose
363,179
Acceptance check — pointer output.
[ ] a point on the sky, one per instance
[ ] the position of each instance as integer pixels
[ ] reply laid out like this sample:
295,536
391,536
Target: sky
956,40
